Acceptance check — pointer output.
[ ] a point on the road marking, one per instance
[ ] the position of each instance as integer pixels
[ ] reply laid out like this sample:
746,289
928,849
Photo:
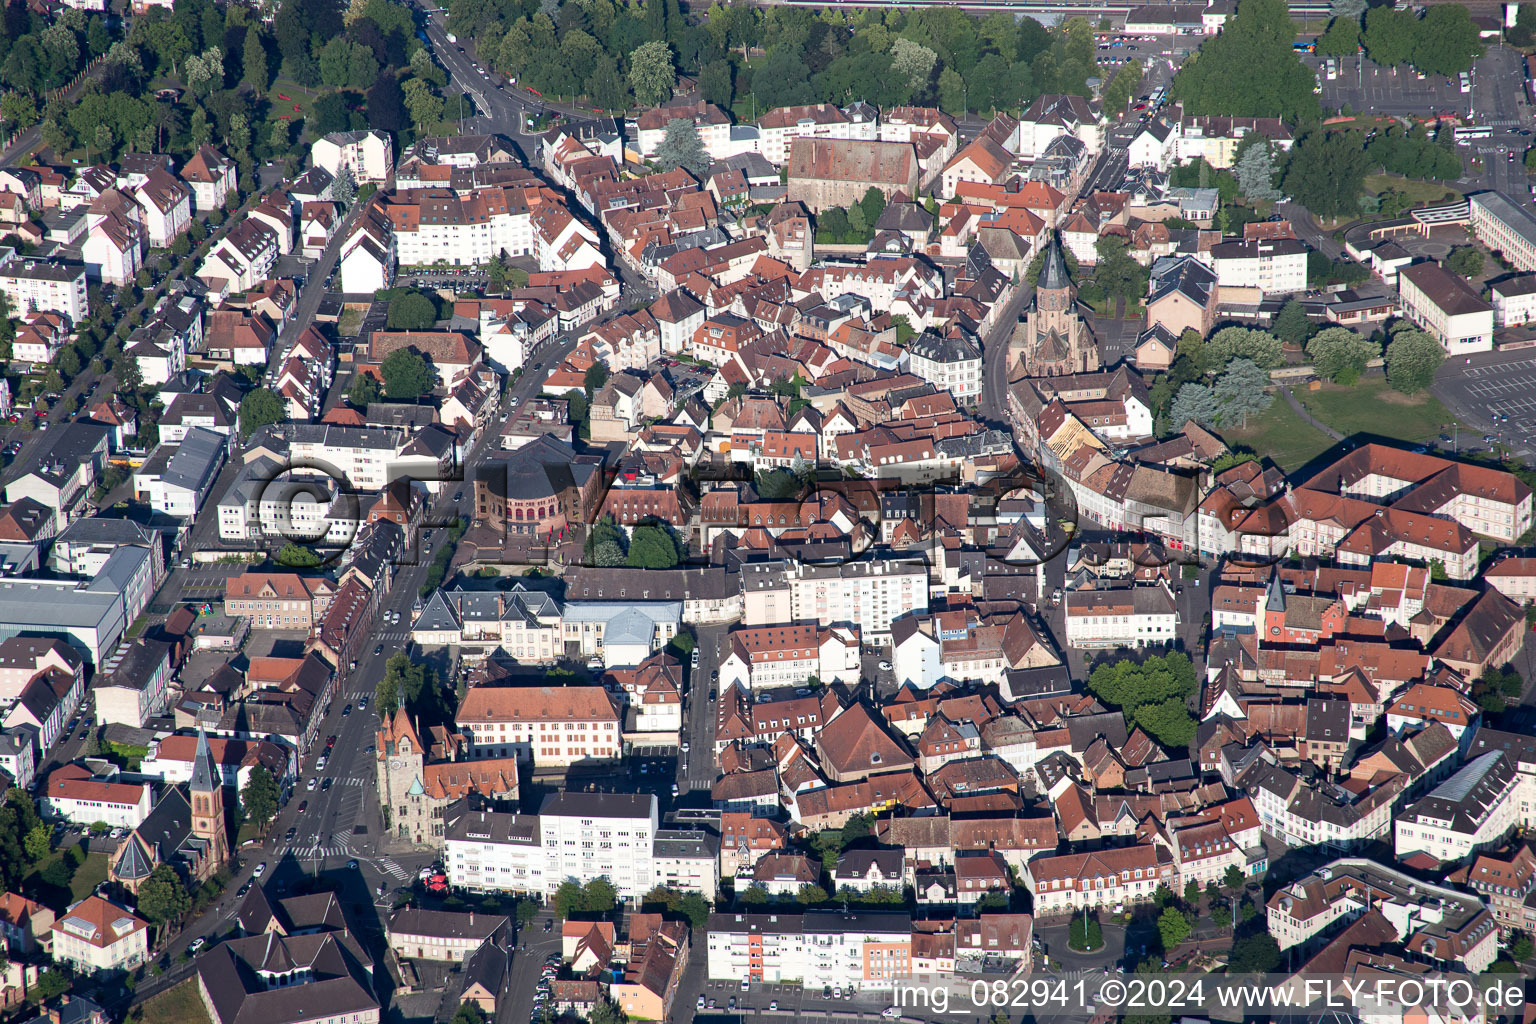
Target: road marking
393,869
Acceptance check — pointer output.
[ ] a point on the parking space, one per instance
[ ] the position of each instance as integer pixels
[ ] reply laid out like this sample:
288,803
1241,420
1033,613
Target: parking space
1495,392
1365,87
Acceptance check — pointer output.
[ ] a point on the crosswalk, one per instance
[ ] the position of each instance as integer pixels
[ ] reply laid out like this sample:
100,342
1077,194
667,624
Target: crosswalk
394,636
393,869
351,781
311,852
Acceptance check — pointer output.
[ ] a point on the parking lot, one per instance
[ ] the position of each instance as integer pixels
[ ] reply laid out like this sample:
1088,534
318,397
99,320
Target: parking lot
1365,87
1495,392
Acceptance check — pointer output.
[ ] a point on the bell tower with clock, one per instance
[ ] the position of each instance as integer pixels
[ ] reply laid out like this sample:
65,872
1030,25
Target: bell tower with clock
402,759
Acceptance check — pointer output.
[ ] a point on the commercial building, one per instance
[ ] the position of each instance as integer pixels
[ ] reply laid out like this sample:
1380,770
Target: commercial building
1141,616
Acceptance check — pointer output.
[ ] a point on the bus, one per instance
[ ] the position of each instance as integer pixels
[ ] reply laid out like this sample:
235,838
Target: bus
1304,47
1477,131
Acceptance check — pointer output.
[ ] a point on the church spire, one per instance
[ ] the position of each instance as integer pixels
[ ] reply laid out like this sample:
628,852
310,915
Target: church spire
205,776
1053,274
1274,594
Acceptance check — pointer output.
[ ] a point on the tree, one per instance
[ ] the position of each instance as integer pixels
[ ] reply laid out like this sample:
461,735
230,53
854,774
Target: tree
606,1012
599,896
715,83
1173,928
1241,392
468,1013
1221,915
1446,41
810,894
913,63
1255,172
406,375
527,910
653,546
254,60
423,104
1412,359
364,391
1254,954
1465,260
1193,402
568,899
595,377
411,311
1250,69
162,897
1116,271
1123,85
38,843
1292,325
260,796
1192,892
682,147
386,104
1340,355
651,74
1389,35
259,408
297,556
1341,38
1233,879
1326,170
1520,946
1229,343
386,696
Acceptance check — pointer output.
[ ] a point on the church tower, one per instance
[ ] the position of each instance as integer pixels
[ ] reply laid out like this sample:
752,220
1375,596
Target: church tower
206,792
1055,339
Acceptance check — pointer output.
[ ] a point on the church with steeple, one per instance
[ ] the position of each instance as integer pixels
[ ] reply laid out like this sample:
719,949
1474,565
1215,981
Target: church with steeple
186,829
1053,340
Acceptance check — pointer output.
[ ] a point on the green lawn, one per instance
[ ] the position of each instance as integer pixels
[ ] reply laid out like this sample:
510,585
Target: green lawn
1281,434
86,878
179,1005
1371,407
1416,191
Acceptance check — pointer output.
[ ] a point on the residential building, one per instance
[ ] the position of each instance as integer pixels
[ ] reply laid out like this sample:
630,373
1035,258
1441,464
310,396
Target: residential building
448,936
212,176
367,155
96,937
45,285
869,594
1470,812
551,727
835,172
1138,616
134,685
951,363
1104,878
278,600
867,951
787,655
1272,266
73,794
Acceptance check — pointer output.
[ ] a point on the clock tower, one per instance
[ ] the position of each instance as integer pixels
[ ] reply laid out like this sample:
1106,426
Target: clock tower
402,760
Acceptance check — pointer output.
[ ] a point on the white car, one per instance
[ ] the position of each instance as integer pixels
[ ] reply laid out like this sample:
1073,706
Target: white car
196,944
891,1012
312,785
885,666
261,869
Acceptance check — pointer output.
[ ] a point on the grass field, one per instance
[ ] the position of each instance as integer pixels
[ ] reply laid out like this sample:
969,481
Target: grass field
179,1005
87,877
1371,407
1416,191
1282,435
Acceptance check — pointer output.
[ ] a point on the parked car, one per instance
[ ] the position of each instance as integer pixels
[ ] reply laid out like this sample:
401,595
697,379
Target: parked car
196,944
261,869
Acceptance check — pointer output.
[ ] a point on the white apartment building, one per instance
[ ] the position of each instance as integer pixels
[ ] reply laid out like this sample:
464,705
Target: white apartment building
1275,266
867,594
266,502
243,259
1514,301
1505,226
864,951
687,861
1447,307
1472,810
952,364
43,285
763,657
368,155
364,456
1142,616
599,835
